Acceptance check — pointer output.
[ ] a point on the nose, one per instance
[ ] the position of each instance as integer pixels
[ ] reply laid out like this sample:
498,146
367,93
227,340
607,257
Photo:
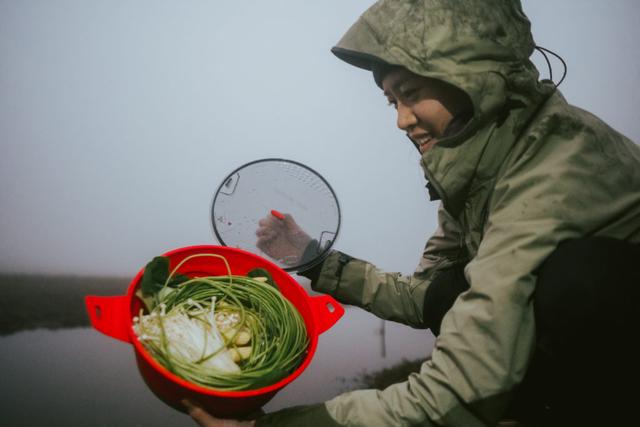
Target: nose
406,119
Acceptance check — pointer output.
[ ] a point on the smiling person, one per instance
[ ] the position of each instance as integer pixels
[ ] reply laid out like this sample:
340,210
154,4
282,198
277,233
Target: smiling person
531,280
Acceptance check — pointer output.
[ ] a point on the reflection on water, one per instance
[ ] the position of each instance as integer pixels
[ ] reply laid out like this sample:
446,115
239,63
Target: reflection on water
79,377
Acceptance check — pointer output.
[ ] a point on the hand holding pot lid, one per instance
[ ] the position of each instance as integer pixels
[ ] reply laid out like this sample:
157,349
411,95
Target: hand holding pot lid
280,237
279,209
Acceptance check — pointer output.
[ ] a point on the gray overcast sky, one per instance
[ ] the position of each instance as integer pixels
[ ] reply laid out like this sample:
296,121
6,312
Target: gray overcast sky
119,119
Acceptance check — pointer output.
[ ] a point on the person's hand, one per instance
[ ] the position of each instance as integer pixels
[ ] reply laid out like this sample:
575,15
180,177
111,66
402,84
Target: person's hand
205,419
281,238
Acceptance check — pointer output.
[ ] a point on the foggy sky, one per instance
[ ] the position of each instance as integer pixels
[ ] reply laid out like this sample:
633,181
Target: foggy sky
119,119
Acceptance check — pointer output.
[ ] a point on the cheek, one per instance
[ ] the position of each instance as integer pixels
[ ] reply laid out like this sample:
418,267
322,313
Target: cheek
433,115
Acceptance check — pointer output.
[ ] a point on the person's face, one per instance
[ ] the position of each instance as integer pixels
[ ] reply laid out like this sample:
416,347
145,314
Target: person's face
424,106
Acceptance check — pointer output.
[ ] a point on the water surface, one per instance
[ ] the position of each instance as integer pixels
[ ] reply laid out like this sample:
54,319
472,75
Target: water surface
79,377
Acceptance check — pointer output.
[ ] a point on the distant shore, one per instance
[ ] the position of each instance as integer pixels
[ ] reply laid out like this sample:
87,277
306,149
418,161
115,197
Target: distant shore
31,301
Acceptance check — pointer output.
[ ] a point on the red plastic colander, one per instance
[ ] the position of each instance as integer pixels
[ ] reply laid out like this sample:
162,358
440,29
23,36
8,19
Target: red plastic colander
113,316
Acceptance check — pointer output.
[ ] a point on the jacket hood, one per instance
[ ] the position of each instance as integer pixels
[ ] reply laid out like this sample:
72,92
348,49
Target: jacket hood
480,46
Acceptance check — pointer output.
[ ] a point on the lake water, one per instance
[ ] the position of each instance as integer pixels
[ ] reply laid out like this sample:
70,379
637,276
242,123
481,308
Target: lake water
79,377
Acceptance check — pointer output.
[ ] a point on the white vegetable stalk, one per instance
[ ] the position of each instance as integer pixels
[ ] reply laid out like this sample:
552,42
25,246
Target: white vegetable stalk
191,334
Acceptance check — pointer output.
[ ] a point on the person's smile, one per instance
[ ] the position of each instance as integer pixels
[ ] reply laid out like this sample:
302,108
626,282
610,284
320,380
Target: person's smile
422,140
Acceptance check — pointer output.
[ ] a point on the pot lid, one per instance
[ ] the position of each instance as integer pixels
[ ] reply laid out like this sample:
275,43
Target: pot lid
279,209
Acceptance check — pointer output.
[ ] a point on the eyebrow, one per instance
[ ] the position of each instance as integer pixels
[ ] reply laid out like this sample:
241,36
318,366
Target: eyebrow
397,85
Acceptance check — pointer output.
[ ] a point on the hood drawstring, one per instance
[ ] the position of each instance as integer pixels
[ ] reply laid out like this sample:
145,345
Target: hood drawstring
542,50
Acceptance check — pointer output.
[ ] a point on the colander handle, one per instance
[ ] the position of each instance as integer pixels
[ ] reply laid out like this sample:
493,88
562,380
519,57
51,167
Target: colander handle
327,311
110,315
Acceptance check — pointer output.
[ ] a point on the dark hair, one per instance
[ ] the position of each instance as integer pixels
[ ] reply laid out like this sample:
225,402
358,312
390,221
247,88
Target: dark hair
380,70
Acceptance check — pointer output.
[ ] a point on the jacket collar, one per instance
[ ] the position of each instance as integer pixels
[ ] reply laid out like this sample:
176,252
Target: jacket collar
462,164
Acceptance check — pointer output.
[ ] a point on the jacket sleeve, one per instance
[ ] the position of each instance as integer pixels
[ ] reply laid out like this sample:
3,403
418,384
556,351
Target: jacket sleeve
391,296
479,355
482,350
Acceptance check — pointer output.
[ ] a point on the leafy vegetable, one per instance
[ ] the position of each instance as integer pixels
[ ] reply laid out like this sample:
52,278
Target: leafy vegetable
155,279
261,272
156,274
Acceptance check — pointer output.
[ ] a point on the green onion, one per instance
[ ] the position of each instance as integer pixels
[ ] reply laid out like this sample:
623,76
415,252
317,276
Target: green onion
182,333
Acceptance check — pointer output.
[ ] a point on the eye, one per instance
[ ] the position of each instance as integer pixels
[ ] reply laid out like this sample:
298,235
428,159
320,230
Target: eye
410,93
392,103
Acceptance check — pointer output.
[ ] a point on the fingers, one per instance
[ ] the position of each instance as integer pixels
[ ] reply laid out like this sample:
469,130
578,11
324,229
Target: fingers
204,419
283,221
263,245
280,237
270,221
200,416
289,223
269,227
283,224
266,233
265,240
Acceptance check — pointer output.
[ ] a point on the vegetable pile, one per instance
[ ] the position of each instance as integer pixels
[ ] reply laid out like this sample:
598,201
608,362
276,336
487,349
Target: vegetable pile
224,332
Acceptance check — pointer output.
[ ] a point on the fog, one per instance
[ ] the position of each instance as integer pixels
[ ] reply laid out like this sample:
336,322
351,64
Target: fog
119,119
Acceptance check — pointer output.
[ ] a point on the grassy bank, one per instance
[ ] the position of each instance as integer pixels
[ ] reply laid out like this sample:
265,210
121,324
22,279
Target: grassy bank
386,377
43,301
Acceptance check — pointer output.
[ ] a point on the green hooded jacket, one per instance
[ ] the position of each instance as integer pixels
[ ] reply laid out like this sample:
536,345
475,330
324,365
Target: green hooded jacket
527,172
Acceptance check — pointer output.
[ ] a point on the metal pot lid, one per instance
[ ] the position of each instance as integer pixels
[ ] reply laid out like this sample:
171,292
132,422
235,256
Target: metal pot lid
279,209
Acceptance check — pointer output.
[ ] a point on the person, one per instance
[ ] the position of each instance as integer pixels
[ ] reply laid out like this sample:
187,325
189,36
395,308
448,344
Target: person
531,280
